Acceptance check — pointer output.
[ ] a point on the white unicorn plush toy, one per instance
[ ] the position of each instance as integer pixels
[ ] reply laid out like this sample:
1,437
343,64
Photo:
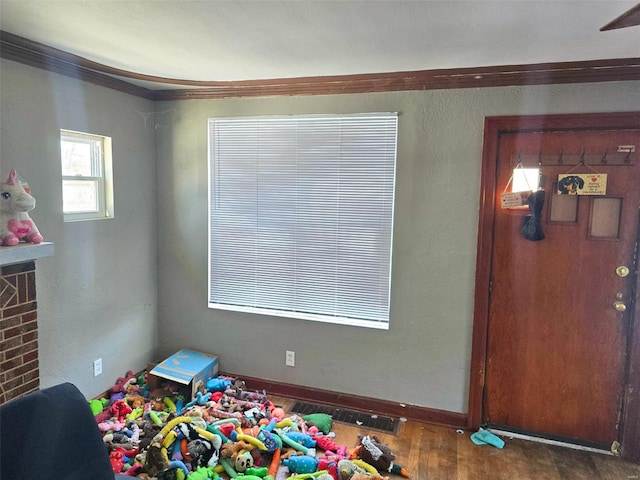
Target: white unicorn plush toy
15,223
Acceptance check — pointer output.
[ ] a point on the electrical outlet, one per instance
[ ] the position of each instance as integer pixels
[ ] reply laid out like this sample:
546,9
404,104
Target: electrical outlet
290,359
97,367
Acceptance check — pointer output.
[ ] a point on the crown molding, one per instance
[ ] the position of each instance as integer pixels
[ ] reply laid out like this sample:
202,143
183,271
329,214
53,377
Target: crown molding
19,49
34,54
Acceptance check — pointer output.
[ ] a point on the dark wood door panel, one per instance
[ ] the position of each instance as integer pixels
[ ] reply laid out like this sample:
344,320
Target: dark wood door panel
556,347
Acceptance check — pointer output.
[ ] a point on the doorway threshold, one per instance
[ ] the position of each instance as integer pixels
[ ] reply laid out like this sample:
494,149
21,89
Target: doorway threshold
547,441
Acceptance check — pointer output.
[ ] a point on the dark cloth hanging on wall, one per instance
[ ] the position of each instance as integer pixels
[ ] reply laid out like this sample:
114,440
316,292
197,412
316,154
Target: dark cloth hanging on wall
532,224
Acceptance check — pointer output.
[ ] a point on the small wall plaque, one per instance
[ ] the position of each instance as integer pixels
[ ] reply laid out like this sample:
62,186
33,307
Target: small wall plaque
513,199
582,184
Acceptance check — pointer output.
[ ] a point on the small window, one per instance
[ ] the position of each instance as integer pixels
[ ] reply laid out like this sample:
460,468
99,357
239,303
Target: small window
87,180
525,179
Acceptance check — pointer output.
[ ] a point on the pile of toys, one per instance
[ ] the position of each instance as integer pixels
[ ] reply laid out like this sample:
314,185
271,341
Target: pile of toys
226,431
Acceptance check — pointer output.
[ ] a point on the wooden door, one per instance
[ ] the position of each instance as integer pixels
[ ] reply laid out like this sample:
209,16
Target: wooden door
556,345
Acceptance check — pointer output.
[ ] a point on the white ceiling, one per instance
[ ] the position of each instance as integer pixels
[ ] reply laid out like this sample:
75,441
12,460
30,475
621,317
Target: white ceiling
228,40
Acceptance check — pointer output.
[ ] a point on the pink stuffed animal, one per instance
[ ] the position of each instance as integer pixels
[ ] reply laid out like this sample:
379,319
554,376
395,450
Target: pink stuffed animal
111,425
15,223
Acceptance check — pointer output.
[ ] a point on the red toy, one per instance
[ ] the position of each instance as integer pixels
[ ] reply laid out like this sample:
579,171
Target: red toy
330,465
123,382
326,443
117,460
120,409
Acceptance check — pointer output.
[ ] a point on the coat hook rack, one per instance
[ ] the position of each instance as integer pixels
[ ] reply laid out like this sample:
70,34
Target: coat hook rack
581,157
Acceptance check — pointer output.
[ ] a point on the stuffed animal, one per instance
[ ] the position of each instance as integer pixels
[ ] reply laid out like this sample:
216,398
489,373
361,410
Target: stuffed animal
199,411
120,410
110,425
15,223
202,446
243,461
117,460
330,465
115,397
157,405
379,455
303,439
232,449
96,406
135,401
203,473
149,431
155,461
229,405
174,473
347,469
218,384
325,442
301,464
123,382
118,440
132,387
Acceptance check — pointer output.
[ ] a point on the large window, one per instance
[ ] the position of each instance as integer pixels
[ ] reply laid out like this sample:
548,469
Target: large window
301,215
87,190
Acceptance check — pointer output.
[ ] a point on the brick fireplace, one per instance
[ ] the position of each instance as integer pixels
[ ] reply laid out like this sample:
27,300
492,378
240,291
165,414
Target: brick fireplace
19,363
19,373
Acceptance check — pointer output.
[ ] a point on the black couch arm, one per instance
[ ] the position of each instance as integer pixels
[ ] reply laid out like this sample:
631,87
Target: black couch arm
52,434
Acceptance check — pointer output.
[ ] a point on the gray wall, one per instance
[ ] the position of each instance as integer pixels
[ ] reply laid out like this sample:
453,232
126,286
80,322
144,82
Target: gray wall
97,296
424,358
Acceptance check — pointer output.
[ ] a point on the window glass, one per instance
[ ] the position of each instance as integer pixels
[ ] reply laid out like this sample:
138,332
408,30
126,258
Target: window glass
86,176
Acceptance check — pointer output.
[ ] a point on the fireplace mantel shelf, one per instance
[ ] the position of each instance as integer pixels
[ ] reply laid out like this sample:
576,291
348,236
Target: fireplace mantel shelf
25,252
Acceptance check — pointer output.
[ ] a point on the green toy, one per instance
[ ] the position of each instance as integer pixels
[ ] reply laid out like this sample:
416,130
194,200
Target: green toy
258,472
321,420
203,473
96,407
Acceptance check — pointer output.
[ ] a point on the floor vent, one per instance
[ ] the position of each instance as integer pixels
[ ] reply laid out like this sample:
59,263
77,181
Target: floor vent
351,417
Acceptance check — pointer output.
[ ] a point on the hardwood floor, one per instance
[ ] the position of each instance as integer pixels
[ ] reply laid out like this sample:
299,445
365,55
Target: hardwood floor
440,453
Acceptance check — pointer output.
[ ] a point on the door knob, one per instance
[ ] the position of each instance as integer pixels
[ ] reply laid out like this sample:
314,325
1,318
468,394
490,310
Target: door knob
619,306
622,271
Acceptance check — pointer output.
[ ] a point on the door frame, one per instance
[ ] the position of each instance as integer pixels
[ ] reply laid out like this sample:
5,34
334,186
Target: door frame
493,128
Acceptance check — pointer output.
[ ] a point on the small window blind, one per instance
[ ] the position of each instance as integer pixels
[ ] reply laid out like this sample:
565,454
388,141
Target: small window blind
301,215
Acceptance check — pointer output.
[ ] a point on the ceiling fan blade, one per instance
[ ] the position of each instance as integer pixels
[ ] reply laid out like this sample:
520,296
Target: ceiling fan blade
629,18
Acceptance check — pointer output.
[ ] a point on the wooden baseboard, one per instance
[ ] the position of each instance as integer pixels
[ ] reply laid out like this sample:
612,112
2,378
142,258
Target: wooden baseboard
355,402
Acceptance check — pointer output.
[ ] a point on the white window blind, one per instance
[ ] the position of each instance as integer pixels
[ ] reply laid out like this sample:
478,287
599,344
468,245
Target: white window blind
301,215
